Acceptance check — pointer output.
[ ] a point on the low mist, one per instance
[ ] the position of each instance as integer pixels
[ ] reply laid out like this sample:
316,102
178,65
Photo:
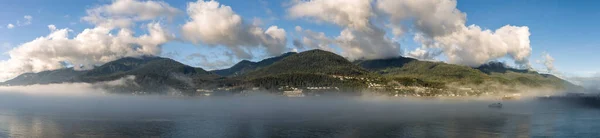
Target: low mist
79,109
86,99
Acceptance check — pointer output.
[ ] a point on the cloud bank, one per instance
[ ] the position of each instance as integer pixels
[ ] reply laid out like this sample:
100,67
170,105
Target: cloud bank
438,25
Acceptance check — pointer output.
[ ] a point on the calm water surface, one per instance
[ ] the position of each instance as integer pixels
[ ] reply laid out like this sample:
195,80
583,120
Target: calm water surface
117,116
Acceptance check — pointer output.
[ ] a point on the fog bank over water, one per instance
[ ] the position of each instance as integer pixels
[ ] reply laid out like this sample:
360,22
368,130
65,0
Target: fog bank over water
84,99
76,110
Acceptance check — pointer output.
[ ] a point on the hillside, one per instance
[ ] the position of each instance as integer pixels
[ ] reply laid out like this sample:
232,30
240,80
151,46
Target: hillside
119,66
45,77
311,62
152,74
494,76
246,66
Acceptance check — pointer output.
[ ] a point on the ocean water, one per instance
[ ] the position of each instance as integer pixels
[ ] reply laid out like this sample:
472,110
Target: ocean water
32,116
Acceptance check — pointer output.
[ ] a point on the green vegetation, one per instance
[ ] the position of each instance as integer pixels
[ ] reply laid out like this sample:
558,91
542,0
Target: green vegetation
46,77
246,66
311,62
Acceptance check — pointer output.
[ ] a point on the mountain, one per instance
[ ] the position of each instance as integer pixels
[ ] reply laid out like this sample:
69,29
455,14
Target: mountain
309,69
487,77
152,74
246,66
311,62
45,77
155,66
119,66
379,64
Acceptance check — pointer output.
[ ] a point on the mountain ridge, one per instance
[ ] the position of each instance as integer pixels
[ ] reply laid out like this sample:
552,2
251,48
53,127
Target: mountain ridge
307,69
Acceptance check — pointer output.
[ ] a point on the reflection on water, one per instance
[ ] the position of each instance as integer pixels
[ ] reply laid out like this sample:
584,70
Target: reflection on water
300,118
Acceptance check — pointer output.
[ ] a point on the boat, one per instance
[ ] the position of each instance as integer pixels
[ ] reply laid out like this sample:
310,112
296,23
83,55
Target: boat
495,105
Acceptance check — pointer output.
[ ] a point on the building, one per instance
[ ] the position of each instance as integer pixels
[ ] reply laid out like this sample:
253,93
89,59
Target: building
293,93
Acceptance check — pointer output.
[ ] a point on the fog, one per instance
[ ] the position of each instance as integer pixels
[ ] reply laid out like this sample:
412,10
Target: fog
82,99
78,109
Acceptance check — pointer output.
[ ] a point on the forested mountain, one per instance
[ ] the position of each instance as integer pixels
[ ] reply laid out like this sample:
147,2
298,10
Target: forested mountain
311,62
246,66
46,77
493,75
314,68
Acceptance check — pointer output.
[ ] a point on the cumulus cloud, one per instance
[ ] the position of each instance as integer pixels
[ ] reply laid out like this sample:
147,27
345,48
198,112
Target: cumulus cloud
214,24
348,13
359,39
93,46
423,54
88,48
474,46
548,62
312,40
10,26
52,27
124,13
443,27
438,25
368,44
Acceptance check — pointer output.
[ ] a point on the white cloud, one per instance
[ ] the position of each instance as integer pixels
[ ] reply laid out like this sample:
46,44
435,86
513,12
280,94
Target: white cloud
28,19
124,13
423,54
211,63
442,27
372,44
359,39
473,46
439,26
52,27
432,17
348,13
212,23
93,46
548,62
313,40
90,47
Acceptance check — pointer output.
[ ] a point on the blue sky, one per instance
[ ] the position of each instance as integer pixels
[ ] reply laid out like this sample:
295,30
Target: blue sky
567,30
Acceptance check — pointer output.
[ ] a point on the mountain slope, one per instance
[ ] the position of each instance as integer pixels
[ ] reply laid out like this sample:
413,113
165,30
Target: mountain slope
311,62
153,74
379,64
120,66
488,76
46,77
246,66
150,74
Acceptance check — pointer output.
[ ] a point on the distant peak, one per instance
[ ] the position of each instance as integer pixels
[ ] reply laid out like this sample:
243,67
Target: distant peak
245,62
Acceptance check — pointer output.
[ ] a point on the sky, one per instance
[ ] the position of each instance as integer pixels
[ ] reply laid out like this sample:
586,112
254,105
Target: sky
551,36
